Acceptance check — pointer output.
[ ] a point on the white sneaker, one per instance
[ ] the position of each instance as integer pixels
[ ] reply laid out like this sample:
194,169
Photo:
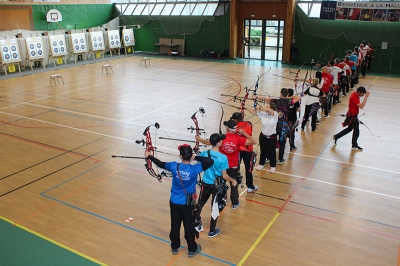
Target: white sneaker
260,167
272,170
251,190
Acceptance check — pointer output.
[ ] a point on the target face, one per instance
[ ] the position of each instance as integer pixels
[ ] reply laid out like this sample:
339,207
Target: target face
62,49
33,53
82,40
13,48
111,38
126,38
15,55
76,47
94,39
31,46
61,43
56,50
76,41
40,52
7,56
83,47
5,49
116,37
95,45
54,43
99,39
112,42
39,45
101,44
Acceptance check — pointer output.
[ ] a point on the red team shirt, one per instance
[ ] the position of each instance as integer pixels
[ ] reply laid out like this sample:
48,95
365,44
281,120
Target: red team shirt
353,102
248,128
328,79
231,148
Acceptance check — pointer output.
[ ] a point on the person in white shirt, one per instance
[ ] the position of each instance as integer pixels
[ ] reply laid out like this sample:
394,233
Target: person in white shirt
312,104
335,70
267,139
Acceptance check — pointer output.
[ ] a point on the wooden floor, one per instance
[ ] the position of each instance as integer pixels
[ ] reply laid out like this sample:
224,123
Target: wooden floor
326,205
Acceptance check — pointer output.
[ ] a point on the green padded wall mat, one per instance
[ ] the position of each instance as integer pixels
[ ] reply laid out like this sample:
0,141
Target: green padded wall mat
21,246
75,16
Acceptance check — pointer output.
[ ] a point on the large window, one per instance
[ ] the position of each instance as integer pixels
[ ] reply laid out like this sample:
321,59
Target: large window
167,7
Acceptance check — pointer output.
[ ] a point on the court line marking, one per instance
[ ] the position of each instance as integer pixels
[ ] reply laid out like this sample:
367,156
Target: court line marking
130,140
52,241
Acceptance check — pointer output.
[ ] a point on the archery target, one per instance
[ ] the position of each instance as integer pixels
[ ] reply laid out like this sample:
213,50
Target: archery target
129,39
113,39
79,41
9,51
96,40
57,45
34,48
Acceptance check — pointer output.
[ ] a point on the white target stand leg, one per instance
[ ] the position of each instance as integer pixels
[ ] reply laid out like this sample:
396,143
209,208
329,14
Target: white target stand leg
145,59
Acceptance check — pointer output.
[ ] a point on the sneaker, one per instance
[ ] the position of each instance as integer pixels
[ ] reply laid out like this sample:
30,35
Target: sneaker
251,190
326,116
260,167
334,139
272,170
293,148
235,206
214,233
175,251
344,95
317,122
338,101
357,148
280,162
191,254
199,228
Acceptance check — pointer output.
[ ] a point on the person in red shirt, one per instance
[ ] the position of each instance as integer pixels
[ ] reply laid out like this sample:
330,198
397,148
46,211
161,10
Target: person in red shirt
351,120
231,148
325,85
246,152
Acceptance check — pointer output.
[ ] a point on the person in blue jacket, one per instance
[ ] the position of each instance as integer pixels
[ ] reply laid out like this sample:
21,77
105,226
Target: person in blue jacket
183,195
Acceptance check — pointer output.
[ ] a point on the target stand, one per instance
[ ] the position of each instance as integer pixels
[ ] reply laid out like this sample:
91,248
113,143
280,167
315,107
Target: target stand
32,62
76,55
5,65
114,49
57,58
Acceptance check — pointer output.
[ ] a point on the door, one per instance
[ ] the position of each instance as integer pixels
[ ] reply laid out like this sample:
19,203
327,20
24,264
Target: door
263,39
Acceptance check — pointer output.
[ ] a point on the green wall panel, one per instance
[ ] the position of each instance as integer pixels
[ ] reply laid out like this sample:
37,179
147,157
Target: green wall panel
211,35
315,35
74,16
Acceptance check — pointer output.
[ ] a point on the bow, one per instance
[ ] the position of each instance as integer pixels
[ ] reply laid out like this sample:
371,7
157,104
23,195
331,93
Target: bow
197,129
150,148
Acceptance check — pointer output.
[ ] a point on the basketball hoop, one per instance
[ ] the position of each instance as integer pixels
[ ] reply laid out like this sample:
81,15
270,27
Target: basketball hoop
53,16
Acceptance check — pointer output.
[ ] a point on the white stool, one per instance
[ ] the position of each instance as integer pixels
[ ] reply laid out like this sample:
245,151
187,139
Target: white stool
145,59
174,54
106,67
55,77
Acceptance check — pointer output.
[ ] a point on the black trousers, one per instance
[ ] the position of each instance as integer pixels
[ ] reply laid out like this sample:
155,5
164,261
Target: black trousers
268,149
233,173
307,115
246,156
179,214
207,191
355,127
292,133
282,145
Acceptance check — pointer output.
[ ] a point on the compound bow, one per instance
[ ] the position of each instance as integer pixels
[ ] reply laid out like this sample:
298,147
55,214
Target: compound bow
150,148
198,130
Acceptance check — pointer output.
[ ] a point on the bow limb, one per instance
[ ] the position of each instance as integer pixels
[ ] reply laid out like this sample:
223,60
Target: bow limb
151,149
220,121
198,130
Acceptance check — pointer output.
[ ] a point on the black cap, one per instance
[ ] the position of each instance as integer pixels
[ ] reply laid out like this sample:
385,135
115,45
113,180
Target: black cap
237,116
186,151
230,124
215,138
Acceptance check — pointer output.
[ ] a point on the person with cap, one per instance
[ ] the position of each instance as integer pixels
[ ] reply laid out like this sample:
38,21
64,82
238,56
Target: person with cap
230,147
269,119
211,177
183,195
246,152
351,120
